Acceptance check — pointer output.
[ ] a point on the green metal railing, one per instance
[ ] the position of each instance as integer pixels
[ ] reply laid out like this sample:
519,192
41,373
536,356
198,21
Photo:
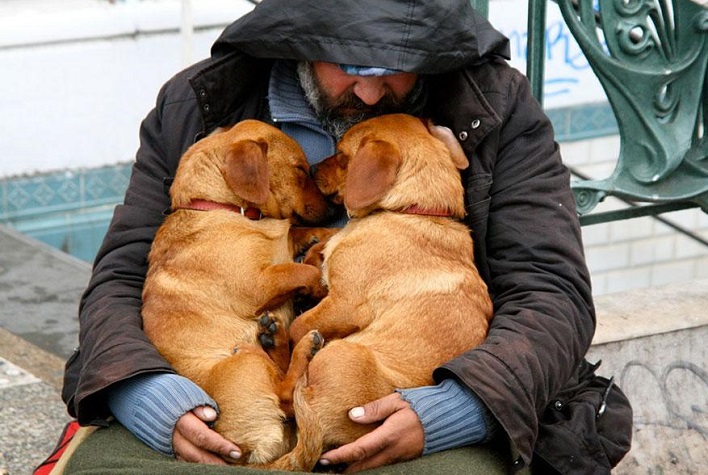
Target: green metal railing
650,57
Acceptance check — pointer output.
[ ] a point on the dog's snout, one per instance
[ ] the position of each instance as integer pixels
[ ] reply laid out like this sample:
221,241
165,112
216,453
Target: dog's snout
316,166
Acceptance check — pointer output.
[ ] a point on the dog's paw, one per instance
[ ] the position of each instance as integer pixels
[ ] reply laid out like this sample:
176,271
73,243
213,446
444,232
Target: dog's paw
267,328
316,342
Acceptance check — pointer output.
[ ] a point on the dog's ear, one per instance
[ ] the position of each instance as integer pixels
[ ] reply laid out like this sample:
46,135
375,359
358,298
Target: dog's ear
446,136
372,173
246,170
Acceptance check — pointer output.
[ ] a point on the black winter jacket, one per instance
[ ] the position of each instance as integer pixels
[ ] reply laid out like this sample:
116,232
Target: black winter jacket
530,371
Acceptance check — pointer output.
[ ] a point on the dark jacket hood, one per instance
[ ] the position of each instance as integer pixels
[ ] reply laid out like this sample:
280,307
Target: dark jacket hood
421,36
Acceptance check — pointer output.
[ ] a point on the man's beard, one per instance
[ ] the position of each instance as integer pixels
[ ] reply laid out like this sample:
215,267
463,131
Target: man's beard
338,115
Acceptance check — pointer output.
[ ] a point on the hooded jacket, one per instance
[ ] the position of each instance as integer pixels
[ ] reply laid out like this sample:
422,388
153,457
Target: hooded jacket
530,371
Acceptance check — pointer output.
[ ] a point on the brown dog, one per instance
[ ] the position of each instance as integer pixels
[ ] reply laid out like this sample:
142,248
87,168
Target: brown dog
221,276
404,294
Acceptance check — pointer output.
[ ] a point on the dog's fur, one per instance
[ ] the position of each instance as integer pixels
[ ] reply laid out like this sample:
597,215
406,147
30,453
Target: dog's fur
214,272
404,294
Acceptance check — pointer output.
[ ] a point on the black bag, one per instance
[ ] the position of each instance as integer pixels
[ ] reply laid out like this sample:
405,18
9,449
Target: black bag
586,428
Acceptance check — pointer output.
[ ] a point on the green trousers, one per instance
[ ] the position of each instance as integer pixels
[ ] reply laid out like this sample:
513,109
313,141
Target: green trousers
115,451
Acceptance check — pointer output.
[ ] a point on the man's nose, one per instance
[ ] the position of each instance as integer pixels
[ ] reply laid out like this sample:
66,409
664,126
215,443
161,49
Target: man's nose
369,89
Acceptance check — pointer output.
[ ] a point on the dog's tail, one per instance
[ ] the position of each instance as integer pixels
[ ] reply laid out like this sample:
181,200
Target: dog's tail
310,440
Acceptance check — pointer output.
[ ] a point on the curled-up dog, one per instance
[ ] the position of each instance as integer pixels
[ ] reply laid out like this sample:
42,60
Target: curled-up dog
404,295
217,297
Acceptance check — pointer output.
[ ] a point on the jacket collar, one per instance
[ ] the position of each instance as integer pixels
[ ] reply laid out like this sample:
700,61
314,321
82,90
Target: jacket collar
230,89
457,102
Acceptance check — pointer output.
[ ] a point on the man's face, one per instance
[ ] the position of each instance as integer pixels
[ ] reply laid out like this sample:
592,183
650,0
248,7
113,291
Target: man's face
342,100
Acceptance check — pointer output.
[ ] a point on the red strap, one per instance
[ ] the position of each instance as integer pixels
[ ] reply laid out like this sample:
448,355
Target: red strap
46,467
415,209
206,205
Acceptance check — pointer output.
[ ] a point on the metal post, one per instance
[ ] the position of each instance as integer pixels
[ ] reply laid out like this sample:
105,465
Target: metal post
536,40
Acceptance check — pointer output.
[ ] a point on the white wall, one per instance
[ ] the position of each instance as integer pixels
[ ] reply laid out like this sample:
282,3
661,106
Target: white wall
568,79
76,81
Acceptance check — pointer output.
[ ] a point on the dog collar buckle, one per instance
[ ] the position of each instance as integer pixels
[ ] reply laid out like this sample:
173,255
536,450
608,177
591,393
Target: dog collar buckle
253,214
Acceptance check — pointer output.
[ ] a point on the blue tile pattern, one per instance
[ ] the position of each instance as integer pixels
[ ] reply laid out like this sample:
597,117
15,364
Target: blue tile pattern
583,122
70,210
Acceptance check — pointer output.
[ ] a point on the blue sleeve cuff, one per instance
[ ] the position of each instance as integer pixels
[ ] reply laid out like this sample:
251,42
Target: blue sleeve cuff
451,414
149,406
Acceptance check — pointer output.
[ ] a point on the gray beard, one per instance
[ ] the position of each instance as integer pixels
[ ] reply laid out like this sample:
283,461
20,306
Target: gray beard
337,124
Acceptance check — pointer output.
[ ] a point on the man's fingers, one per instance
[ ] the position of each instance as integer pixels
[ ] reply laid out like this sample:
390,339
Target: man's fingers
377,410
371,445
186,451
363,448
399,438
194,441
205,413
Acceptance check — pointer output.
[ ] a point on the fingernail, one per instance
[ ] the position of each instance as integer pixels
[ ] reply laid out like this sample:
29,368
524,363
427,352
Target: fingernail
235,454
324,462
356,412
209,412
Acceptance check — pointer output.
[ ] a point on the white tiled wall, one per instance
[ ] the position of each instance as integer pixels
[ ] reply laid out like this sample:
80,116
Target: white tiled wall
640,252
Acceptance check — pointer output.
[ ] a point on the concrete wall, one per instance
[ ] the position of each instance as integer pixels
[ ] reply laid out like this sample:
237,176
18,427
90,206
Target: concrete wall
653,341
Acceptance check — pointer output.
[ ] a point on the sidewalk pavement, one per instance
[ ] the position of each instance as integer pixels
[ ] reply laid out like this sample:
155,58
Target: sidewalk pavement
40,289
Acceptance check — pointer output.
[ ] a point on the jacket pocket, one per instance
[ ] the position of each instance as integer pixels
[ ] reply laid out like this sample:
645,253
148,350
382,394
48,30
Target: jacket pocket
587,427
477,202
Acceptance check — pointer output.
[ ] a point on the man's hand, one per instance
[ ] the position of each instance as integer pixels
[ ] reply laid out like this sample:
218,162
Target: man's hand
194,441
399,438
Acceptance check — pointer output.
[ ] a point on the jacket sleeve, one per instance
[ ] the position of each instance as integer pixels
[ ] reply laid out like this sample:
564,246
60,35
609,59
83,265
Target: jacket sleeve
112,345
544,317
